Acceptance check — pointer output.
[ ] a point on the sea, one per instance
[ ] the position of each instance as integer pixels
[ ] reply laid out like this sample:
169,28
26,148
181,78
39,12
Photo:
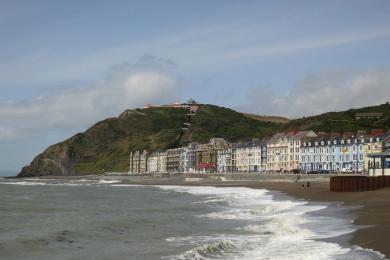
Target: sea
104,219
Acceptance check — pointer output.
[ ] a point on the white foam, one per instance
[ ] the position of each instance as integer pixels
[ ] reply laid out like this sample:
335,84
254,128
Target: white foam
71,184
80,182
127,185
24,183
83,180
107,181
277,229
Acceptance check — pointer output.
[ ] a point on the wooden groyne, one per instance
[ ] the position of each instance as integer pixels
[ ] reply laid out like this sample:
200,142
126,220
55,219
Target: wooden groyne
358,183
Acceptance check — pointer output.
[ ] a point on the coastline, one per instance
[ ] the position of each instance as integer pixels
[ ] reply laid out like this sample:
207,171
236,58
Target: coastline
370,209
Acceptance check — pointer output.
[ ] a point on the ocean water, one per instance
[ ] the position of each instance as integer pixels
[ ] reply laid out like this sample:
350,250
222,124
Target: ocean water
102,219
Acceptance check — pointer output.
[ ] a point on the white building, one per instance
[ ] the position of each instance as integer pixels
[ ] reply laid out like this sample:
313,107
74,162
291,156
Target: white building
152,163
188,158
250,156
224,160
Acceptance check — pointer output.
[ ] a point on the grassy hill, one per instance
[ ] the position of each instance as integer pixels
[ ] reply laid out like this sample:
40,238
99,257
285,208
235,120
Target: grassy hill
344,121
106,145
272,119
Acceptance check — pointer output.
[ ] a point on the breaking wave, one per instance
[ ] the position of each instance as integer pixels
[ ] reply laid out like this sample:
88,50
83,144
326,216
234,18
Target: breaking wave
59,182
211,250
271,229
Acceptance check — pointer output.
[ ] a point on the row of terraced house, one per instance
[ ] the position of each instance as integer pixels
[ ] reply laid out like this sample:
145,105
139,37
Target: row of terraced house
296,151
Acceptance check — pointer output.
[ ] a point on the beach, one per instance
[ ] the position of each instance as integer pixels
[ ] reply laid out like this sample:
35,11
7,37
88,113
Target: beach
371,209
368,211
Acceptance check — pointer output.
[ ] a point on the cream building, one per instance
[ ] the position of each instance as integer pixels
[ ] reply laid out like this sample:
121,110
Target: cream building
162,162
372,145
249,157
283,150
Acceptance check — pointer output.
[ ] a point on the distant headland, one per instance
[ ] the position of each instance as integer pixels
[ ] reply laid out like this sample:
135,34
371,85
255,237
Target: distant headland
107,145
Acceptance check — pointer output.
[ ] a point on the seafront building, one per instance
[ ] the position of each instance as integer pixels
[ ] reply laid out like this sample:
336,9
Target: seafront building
283,150
173,161
251,156
162,162
224,160
333,155
379,163
138,162
295,151
348,154
188,158
372,145
152,162
206,155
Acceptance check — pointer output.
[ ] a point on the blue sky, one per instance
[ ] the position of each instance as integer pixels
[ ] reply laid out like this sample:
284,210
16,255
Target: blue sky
67,64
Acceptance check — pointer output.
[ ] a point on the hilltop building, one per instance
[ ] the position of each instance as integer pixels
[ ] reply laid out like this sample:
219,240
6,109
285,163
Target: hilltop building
369,115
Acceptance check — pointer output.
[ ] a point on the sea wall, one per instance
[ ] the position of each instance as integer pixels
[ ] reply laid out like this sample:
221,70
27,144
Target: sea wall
358,183
269,177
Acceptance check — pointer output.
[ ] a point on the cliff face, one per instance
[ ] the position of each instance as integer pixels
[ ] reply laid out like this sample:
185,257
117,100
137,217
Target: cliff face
106,145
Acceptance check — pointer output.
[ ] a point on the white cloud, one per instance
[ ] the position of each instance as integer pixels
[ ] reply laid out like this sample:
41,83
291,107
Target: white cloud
74,109
323,92
6,133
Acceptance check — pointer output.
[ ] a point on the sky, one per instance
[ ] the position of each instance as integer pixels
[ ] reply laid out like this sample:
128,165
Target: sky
65,65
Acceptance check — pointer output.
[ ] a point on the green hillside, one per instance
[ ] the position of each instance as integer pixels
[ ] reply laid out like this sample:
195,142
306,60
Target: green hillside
106,145
344,121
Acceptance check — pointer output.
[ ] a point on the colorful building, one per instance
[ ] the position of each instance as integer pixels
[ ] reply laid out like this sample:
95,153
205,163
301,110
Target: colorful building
283,150
206,155
372,145
346,154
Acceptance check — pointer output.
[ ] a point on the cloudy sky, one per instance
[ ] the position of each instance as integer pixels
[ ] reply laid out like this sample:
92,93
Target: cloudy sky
67,64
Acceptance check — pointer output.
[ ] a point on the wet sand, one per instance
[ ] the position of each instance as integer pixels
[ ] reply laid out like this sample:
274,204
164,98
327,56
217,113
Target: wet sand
371,208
